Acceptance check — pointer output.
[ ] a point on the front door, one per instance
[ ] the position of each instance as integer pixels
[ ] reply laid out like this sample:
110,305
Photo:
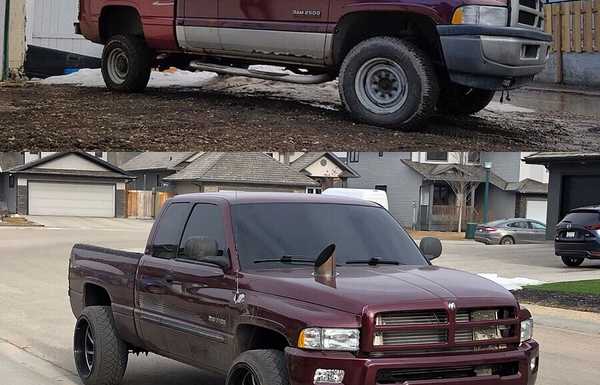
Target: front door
275,29
201,305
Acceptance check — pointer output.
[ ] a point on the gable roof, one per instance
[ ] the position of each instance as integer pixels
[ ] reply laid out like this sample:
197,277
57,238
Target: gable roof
36,167
528,186
454,172
308,158
549,157
241,167
156,161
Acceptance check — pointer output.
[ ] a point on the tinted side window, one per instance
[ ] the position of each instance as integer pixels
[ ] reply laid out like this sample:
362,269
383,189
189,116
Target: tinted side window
518,225
537,226
206,221
169,230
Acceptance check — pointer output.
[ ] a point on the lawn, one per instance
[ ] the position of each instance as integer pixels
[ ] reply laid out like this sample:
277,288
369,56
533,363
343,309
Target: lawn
587,287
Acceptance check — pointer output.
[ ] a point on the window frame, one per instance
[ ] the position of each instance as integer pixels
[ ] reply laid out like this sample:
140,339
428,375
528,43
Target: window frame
181,257
353,157
156,232
427,159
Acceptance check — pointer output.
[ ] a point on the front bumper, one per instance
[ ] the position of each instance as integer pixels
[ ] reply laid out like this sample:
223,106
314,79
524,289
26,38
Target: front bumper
302,365
493,57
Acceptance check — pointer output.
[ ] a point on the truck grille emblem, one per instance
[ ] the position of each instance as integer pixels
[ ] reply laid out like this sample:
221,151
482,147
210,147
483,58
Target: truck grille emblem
451,306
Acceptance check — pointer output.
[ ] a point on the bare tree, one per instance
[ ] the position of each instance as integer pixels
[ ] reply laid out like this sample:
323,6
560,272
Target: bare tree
461,186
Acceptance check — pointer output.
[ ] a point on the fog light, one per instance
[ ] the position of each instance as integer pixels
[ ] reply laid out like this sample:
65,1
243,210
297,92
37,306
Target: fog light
329,376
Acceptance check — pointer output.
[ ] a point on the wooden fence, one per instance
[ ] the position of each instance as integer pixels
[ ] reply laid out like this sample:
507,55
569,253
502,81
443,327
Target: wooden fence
145,204
575,26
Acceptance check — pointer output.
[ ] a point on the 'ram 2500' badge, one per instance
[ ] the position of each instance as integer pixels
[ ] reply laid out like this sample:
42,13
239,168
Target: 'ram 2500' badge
307,12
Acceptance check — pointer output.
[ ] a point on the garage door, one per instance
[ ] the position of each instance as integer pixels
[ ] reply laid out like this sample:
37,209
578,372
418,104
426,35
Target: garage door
579,191
537,210
71,199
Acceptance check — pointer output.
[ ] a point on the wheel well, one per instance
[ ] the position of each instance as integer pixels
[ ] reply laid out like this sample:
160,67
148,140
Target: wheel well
120,20
95,295
356,27
251,337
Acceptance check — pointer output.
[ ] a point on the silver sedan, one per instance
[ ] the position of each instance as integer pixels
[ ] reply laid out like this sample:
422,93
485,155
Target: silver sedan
511,231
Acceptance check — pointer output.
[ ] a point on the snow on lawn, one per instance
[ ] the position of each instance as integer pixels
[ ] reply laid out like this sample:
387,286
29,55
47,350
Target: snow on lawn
511,283
93,78
506,107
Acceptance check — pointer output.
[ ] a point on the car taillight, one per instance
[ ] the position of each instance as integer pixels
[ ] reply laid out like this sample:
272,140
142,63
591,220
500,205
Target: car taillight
593,227
489,229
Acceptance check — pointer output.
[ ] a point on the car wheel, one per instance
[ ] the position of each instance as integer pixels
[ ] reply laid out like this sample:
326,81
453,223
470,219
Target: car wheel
459,100
507,241
572,261
100,355
388,82
126,64
259,367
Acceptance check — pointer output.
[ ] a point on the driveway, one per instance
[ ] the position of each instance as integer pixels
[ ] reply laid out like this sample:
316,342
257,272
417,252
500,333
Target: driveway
533,261
82,223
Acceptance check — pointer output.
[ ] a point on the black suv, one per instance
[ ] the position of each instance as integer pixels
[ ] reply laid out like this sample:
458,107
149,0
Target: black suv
578,236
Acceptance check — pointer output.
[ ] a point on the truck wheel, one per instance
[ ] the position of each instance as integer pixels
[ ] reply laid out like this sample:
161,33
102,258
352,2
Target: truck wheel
572,261
100,355
259,367
388,82
126,64
460,100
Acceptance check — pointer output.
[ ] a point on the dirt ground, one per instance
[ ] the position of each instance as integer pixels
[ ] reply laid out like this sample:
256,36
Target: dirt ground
234,114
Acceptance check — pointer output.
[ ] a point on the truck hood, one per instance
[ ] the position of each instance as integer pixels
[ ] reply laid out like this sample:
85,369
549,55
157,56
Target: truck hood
382,286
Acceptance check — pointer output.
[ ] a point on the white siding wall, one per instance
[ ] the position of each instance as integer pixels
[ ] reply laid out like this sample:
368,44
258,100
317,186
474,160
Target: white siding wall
50,25
533,171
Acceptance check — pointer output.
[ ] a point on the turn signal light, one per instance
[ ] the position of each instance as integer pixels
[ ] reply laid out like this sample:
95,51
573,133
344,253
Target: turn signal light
458,17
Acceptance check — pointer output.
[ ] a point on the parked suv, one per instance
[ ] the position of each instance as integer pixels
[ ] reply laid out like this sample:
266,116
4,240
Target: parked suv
578,236
511,231
397,60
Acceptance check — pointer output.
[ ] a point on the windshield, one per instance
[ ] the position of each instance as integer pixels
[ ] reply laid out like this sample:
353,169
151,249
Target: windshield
303,230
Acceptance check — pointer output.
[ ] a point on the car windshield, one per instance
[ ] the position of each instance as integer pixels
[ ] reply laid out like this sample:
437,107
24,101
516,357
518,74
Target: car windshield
272,231
583,217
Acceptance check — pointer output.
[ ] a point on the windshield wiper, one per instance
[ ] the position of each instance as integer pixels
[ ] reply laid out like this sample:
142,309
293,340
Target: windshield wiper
374,261
287,259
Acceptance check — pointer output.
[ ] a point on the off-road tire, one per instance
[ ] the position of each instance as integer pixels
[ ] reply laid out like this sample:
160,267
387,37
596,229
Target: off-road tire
139,63
110,352
268,366
423,88
459,100
507,240
572,261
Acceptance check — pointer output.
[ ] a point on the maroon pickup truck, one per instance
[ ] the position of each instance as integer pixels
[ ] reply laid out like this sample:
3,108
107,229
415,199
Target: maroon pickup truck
294,289
397,60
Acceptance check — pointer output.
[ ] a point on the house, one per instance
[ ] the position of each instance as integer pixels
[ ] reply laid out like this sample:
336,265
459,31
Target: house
154,169
64,184
574,182
422,187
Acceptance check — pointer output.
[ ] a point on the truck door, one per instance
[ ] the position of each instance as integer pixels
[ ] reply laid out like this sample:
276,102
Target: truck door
196,25
275,28
153,283
203,294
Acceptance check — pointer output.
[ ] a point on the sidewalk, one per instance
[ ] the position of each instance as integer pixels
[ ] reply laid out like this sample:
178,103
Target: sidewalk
563,88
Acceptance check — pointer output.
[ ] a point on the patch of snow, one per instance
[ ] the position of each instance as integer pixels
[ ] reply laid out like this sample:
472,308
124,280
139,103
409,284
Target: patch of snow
506,107
93,78
511,283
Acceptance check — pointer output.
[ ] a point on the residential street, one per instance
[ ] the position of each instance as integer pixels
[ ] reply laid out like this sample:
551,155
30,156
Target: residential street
36,332
244,114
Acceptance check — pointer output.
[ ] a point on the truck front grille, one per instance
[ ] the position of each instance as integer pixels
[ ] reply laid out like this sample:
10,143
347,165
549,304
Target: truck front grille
400,376
458,330
527,13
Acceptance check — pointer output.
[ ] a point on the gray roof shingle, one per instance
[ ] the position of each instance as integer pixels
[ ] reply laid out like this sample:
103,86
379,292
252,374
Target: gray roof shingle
156,161
241,167
548,157
471,173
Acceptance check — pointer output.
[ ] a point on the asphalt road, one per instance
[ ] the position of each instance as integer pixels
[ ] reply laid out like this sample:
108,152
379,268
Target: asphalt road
245,114
36,322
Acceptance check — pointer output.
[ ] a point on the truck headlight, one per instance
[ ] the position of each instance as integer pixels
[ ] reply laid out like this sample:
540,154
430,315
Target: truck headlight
329,339
526,330
481,15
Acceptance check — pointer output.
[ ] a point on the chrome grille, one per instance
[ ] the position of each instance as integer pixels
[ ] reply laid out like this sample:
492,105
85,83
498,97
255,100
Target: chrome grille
412,317
416,337
527,13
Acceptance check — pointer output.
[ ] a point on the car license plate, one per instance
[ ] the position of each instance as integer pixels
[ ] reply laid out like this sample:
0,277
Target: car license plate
570,234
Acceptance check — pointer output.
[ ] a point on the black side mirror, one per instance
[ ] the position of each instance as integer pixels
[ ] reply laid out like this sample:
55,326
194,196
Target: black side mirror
431,247
203,249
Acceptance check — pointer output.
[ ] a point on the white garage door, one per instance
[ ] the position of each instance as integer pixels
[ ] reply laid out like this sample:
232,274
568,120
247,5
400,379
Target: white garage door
537,210
71,199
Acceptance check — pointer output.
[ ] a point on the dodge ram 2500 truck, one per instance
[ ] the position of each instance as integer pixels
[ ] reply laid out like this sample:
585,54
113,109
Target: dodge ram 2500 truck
397,60
294,289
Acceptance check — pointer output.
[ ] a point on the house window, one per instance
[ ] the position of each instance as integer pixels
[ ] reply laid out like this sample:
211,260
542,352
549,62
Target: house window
269,154
381,154
314,190
11,181
441,195
473,157
381,187
437,156
353,157
158,181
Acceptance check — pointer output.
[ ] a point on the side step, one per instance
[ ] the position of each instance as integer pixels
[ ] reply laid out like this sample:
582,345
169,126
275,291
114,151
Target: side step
277,76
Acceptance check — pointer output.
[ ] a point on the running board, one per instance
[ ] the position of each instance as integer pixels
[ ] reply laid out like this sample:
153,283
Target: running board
277,76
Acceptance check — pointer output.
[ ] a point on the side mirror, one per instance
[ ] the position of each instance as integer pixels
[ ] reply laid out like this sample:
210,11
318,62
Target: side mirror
205,250
431,247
